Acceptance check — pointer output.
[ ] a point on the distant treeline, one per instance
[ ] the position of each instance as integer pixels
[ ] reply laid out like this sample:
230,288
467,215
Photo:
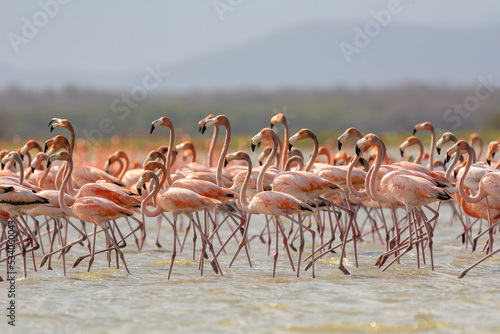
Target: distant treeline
397,109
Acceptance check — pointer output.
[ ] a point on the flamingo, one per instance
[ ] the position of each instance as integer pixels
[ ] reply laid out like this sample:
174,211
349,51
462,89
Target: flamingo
177,201
128,177
411,141
476,138
410,190
427,126
271,203
92,209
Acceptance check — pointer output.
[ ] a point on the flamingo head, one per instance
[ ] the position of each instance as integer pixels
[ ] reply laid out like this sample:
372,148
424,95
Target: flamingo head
202,121
220,120
425,126
278,118
240,155
64,156
162,121
349,133
459,146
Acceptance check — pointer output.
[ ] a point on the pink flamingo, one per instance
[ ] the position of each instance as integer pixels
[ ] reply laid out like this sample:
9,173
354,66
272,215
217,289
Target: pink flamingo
95,210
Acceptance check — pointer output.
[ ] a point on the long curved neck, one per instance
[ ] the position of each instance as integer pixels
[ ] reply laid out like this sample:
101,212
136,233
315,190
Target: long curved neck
144,203
243,192
124,169
44,176
210,154
170,155
62,203
351,188
289,162
371,183
456,157
286,141
72,132
481,193
21,168
260,178
420,155
433,147
223,154
314,153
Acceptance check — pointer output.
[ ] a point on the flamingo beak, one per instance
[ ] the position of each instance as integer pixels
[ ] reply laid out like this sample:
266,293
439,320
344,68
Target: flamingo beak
438,149
32,169
3,165
204,128
339,144
402,152
139,191
152,128
272,125
253,147
358,150
290,146
45,148
414,130
488,161
225,162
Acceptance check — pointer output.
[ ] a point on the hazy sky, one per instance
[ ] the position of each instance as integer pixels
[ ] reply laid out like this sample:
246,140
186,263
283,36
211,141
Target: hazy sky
115,36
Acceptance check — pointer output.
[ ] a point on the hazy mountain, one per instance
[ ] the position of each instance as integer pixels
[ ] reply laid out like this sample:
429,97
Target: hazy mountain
310,56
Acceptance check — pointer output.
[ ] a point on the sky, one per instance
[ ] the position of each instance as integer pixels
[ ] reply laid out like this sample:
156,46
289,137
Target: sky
119,36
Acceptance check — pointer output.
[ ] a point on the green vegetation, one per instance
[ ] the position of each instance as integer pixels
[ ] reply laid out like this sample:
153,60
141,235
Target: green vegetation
392,111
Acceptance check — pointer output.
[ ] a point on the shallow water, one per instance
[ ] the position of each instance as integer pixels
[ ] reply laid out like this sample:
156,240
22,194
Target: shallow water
248,300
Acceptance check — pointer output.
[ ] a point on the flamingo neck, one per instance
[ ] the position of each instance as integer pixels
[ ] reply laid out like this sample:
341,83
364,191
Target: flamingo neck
372,178
260,178
125,165
286,142
433,147
243,192
314,153
350,187
481,193
62,203
210,154
222,157
420,155
170,156
152,194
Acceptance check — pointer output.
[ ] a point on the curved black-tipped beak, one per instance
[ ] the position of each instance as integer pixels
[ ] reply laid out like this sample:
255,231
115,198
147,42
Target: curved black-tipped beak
144,186
339,144
445,161
358,150
414,131
455,173
438,149
253,147
290,146
3,165
225,162
152,129
402,152
51,121
199,129
32,169
49,163
488,161
22,156
260,163
447,158
45,148
139,191
271,126
203,129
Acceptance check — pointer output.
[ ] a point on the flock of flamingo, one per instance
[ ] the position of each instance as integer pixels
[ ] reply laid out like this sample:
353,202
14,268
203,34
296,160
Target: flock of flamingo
315,201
